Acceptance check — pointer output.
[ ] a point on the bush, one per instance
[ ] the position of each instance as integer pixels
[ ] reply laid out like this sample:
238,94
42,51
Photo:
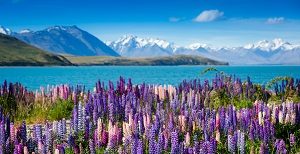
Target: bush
61,109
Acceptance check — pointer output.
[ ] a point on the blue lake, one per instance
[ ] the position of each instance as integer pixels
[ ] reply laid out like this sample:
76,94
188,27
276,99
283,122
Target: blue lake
34,77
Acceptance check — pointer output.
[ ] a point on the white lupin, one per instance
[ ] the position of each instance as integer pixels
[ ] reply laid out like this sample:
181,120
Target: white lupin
260,118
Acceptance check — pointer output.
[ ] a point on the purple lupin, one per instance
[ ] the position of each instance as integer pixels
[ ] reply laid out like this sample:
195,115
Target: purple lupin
174,143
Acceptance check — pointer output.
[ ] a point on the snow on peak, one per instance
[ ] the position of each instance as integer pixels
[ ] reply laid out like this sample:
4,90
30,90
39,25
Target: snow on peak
279,41
134,41
266,45
196,46
60,28
63,28
25,31
126,39
5,31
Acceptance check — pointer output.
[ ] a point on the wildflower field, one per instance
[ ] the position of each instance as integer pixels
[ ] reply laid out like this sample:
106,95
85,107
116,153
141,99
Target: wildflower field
222,115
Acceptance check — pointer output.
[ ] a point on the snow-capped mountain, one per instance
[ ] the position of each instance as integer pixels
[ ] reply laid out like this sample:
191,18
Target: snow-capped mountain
4,30
74,41
276,51
25,31
273,45
133,46
66,40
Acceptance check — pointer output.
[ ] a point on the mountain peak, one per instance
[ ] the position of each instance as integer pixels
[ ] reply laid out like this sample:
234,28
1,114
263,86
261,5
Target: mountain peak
4,30
132,40
127,39
62,28
25,31
66,40
266,45
129,45
278,41
195,46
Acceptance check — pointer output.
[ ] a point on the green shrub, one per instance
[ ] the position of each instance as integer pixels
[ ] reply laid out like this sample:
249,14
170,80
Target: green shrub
242,103
61,109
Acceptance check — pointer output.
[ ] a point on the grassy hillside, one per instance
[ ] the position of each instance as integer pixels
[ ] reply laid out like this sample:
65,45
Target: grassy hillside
17,53
172,60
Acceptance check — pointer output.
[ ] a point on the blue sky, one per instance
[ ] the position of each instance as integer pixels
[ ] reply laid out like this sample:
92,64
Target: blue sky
215,22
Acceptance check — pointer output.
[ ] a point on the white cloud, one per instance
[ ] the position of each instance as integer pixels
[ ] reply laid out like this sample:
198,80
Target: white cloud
275,20
209,15
174,19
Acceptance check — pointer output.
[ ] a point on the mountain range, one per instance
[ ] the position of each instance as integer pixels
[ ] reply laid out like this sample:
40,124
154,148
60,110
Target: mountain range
276,51
15,52
69,40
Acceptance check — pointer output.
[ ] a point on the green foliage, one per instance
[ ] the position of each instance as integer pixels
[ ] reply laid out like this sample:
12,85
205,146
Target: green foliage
69,151
39,112
242,103
222,145
287,94
9,105
111,151
209,69
100,150
283,131
219,98
61,109
276,80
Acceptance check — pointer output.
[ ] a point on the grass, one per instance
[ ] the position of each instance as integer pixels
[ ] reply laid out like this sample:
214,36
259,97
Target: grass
39,113
170,60
17,53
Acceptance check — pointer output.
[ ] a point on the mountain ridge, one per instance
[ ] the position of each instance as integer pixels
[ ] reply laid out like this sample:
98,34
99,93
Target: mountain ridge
262,52
17,53
64,40
71,40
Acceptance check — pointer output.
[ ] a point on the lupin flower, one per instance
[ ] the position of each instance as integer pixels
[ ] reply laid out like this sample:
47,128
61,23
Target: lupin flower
2,134
280,117
262,148
174,143
187,139
242,143
104,138
80,117
292,139
32,145
87,127
92,146
23,132
159,114
218,136
139,149
134,144
56,151
71,141
231,144
152,142
12,132
64,126
25,150
38,132
160,143
280,147
48,139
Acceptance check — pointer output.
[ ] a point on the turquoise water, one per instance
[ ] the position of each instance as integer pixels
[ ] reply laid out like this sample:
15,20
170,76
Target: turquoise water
34,77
